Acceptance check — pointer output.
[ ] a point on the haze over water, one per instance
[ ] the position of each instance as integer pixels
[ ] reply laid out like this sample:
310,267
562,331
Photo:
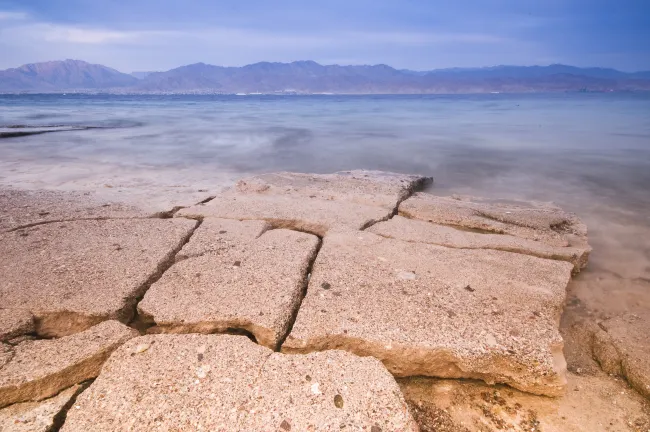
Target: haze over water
589,153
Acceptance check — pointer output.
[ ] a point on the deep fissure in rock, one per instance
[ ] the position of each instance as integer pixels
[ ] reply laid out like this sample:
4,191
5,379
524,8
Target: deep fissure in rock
59,418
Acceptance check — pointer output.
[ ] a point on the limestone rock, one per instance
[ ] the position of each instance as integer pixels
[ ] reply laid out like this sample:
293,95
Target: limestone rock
255,285
622,348
36,416
542,222
41,368
14,323
314,203
413,230
72,275
484,314
210,382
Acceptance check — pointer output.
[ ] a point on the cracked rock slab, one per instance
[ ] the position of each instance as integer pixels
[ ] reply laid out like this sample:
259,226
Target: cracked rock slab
222,382
413,230
622,347
36,416
541,222
430,310
314,203
255,284
72,275
41,368
14,323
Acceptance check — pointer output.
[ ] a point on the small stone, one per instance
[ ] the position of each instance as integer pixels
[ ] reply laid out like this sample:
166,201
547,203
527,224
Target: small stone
404,275
375,428
237,264
326,285
141,348
338,401
469,288
285,425
314,389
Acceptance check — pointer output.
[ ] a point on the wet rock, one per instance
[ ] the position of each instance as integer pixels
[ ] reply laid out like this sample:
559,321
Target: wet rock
406,323
313,203
260,295
14,323
245,387
36,416
70,276
41,368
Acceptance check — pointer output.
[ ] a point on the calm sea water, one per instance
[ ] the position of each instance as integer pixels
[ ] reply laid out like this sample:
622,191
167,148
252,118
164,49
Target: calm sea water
589,153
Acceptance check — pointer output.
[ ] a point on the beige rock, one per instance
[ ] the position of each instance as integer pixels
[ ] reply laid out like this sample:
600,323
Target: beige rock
413,230
72,275
210,382
622,347
22,208
41,368
36,416
14,323
255,285
314,203
542,222
6,353
429,310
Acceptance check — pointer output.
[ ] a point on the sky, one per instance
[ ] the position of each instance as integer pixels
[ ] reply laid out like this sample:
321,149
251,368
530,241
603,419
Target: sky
156,35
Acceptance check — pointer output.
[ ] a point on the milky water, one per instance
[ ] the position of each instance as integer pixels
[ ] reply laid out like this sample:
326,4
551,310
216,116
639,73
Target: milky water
590,153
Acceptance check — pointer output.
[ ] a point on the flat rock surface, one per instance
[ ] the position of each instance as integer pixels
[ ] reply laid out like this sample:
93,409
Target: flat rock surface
253,284
35,416
429,310
623,347
72,275
229,383
14,323
413,230
41,368
542,222
21,208
312,202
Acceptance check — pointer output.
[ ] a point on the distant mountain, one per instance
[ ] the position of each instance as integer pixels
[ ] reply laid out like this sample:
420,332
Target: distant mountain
311,77
62,75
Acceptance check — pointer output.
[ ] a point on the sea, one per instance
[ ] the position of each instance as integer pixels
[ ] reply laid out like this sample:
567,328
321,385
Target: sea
587,152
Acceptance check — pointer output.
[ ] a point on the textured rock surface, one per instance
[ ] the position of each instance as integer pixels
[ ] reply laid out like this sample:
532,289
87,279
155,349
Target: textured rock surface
41,368
413,230
20,208
542,222
229,383
622,347
254,285
72,275
36,416
14,323
429,310
314,203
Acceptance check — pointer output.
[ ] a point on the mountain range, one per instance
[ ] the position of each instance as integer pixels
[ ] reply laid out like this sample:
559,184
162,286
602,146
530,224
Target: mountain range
311,77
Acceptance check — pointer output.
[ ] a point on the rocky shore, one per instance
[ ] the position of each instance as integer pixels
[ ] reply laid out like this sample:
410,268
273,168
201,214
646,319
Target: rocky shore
347,301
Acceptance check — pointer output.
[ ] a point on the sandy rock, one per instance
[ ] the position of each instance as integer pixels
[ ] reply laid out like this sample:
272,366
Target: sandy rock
542,222
14,323
413,230
460,316
256,285
622,347
22,208
72,275
229,383
36,416
314,203
6,353
41,368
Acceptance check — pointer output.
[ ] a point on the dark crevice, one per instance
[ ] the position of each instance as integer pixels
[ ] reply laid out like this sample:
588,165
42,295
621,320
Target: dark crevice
167,214
137,321
305,286
240,332
207,200
59,418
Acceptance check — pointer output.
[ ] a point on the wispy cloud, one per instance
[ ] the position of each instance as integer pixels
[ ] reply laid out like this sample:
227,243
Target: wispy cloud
8,15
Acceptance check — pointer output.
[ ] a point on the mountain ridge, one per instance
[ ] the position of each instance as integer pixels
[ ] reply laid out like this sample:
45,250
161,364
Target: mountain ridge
308,76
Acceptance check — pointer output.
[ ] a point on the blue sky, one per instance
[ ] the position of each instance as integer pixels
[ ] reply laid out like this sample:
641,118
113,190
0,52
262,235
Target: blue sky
145,35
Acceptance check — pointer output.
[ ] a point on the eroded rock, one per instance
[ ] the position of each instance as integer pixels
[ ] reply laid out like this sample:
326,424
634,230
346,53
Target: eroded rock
41,368
314,203
14,323
72,275
413,230
36,416
229,383
483,314
253,284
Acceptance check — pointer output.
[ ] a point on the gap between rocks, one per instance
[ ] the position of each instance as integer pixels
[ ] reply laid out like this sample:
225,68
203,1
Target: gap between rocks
59,418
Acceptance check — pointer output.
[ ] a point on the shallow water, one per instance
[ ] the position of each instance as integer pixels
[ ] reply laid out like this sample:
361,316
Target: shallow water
590,153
